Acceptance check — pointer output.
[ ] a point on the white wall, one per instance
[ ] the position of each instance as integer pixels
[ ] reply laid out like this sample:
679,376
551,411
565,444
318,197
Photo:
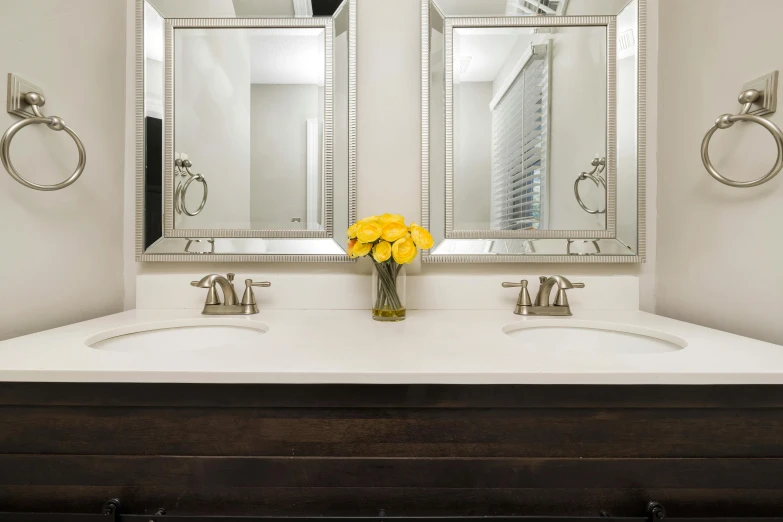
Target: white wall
212,124
578,87
720,250
472,155
62,251
389,156
278,132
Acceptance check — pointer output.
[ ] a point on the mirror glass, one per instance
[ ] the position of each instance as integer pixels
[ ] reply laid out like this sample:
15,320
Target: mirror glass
533,130
529,110
247,129
249,117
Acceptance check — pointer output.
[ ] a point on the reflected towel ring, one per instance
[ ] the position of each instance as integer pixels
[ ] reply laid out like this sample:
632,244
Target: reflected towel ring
599,165
36,101
184,192
747,98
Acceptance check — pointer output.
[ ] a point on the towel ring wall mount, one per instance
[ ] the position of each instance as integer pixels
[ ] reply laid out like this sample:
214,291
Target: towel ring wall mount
35,100
757,101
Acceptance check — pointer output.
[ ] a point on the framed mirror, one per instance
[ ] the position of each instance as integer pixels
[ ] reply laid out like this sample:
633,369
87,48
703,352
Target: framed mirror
246,129
533,131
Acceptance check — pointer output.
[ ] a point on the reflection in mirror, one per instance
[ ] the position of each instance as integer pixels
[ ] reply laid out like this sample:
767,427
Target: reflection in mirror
535,130
529,113
248,142
249,114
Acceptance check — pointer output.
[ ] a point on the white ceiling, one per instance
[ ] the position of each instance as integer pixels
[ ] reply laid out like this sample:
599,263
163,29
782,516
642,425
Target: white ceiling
287,56
487,49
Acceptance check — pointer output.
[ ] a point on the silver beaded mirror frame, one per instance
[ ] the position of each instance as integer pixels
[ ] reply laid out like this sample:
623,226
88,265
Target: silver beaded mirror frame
623,240
158,239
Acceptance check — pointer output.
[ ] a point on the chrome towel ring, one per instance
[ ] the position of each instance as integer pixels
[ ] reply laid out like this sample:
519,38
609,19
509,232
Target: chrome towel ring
36,101
747,98
599,165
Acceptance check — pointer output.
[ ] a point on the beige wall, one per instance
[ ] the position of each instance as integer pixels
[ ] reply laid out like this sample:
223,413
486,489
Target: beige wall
389,154
62,251
720,250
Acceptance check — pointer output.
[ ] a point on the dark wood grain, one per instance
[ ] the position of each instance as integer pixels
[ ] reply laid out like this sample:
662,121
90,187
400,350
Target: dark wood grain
345,450
395,501
270,472
388,396
383,432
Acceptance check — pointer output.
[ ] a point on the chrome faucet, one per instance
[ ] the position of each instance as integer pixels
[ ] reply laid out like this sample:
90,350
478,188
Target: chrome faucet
230,306
541,305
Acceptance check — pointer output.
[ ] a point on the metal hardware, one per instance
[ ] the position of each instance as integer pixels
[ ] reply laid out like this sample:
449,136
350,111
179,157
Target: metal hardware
159,513
34,99
656,511
755,104
182,167
599,165
190,242
541,306
524,296
594,242
249,299
184,192
111,508
213,305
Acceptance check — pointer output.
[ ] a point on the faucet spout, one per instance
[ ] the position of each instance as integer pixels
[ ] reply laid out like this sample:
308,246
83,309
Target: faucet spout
562,285
229,294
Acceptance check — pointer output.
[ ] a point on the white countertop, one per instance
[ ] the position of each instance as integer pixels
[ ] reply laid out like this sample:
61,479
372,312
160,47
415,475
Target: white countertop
430,347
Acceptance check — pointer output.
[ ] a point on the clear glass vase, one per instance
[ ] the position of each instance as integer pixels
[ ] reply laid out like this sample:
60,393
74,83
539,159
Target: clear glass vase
388,291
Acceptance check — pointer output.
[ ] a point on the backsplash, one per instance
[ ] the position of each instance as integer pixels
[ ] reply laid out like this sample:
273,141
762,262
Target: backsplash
352,291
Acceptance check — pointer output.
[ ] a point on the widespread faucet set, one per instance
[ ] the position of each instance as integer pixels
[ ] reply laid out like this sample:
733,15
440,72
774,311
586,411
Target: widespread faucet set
248,306
541,306
230,306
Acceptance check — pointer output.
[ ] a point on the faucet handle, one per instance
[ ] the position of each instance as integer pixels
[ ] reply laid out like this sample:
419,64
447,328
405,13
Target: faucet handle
524,294
230,277
249,299
212,295
562,298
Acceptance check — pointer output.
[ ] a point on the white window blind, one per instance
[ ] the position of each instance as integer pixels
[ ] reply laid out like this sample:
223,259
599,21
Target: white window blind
520,135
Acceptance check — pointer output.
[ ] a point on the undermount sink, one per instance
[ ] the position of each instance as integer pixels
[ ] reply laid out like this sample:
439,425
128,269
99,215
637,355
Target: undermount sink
593,337
180,336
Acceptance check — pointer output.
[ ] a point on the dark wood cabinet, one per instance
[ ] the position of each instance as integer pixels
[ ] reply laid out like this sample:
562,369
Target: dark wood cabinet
426,450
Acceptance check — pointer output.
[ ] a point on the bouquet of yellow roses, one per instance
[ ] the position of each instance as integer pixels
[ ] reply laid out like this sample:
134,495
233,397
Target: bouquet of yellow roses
392,245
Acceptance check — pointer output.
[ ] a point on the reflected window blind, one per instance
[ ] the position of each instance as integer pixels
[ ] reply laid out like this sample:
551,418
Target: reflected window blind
520,134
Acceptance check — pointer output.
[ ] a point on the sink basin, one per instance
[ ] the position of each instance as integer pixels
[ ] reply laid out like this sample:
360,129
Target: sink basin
593,338
180,336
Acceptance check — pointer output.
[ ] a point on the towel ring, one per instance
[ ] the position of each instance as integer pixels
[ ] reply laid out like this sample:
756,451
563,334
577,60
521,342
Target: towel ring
184,192
36,101
599,164
726,121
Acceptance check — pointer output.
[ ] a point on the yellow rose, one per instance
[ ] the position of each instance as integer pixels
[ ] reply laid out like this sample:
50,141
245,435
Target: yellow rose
351,244
382,251
391,218
352,231
404,250
421,237
361,249
394,231
368,231
371,219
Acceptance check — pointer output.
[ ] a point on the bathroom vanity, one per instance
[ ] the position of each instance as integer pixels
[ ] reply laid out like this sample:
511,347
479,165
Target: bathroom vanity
451,413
